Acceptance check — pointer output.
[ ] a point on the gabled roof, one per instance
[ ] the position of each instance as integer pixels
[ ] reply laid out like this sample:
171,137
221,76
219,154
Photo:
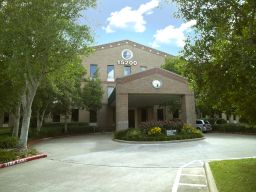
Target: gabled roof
152,71
134,44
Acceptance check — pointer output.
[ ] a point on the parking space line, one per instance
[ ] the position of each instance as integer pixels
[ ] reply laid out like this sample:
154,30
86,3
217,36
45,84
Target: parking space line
193,185
192,175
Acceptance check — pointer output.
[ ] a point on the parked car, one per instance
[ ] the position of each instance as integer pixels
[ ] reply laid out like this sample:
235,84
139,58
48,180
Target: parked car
203,125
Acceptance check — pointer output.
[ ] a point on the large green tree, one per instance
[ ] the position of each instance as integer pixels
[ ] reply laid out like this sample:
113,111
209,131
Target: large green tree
40,37
222,55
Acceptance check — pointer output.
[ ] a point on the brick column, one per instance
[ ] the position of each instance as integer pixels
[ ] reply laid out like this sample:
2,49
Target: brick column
188,112
121,112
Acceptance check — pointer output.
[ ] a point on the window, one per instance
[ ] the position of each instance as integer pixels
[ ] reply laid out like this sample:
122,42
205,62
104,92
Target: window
199,122
110,90
143,68
93,70
56,117
93,116
160,114
176,114
144,115
6,118
111,73
127,70
75,115
234,117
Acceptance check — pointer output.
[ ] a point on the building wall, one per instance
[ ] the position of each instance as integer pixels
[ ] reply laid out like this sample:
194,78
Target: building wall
109,54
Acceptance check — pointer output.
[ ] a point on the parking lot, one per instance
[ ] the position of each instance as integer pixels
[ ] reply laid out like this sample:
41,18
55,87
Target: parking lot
96,163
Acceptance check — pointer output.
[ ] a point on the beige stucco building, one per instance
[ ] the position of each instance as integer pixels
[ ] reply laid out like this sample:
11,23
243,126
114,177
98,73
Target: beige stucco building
135,87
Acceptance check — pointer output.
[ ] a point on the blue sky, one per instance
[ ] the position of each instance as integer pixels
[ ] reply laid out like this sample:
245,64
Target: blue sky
148,22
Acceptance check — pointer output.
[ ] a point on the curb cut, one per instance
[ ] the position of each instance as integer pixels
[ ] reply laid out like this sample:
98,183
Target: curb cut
210,179
157,142
23,160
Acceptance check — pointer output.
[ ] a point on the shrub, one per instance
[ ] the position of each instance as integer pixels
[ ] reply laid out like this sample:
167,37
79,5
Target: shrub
165,125
6,156
188,129
235,128
57,129
154,131
133,133
220,121
8,142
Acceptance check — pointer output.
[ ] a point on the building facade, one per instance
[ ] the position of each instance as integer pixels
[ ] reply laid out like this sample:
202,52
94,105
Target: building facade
135,87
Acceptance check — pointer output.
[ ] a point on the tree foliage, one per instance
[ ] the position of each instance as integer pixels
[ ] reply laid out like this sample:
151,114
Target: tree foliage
222,55
38,38
175,65
92,94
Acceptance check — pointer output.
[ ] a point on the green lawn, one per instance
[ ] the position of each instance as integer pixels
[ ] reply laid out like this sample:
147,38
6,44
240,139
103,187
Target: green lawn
235,175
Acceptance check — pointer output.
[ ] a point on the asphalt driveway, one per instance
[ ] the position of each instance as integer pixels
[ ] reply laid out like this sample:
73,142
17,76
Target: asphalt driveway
94,163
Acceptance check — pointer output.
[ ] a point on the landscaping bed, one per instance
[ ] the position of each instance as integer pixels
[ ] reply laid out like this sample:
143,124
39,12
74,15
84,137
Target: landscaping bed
234,175
10,154
158,133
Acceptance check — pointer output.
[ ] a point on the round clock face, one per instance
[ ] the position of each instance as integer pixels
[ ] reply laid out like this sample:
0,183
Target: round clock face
156,83
127,54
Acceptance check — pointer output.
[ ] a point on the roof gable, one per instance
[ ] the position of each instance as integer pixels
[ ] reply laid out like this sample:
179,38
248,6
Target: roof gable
134,44
149,72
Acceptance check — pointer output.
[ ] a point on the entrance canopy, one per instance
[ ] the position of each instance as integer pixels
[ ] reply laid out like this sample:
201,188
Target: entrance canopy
151,87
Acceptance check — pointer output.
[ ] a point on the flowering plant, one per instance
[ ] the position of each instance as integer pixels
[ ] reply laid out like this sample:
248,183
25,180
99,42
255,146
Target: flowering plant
154,131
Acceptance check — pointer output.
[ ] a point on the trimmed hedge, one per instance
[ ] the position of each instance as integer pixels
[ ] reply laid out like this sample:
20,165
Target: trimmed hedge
57,129
234,128
7,142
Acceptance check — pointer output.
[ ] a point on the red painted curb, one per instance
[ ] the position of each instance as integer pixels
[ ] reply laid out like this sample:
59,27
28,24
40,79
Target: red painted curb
23,160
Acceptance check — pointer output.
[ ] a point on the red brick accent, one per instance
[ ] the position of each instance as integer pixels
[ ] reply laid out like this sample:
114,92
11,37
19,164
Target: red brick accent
159,71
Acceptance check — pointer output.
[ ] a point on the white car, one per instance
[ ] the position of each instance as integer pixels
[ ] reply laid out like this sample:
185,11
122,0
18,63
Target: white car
203,125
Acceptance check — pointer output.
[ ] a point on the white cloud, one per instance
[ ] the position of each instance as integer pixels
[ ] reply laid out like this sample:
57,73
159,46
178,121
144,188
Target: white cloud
171,34
129,18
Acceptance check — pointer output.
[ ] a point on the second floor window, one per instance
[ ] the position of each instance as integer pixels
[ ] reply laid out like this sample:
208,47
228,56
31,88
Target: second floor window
111,73
143,68
93,70
127,70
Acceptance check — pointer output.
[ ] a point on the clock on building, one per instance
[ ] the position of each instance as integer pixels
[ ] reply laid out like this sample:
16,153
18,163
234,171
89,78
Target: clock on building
127,54
156,83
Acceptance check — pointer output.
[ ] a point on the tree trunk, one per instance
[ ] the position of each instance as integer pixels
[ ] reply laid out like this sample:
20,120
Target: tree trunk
27,100
16,120
66,124
40,119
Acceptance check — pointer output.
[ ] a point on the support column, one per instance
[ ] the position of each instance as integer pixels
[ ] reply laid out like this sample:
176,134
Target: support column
121,112
188,112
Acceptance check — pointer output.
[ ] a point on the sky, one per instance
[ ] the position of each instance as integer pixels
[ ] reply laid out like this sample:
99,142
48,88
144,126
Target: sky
148,22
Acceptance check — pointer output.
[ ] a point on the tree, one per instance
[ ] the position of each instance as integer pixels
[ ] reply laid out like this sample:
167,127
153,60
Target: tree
175,65
67,90
41,37
92,94
222,55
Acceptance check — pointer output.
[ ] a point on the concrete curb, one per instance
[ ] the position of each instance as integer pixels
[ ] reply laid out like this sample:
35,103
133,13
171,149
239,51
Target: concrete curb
157,142
210,179
23,160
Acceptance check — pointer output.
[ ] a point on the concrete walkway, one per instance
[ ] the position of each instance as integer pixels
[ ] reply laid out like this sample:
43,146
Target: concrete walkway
95,163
